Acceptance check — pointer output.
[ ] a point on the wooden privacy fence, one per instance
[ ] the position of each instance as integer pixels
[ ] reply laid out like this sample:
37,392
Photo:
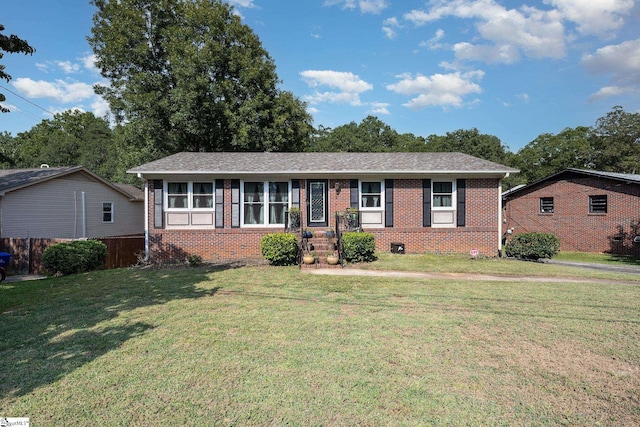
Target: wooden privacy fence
27,252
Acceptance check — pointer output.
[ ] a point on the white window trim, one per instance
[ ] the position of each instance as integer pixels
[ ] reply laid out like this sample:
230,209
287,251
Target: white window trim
360,193
190,196
113,206
265,201
453,195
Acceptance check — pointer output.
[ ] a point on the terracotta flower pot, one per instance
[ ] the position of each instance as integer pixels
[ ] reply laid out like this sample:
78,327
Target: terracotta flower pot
308,259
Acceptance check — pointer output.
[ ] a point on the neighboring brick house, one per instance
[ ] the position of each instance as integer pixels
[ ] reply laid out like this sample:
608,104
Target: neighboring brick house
66,202
589,211
219,205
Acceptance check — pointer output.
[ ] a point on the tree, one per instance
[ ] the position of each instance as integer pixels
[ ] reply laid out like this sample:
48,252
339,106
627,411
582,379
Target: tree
616,136
549,154
11,44
371,135
193,78
71,138
469,141
7,150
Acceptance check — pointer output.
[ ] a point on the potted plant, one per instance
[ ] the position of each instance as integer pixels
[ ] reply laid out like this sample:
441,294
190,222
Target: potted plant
307,234
332,258
309,258
330,234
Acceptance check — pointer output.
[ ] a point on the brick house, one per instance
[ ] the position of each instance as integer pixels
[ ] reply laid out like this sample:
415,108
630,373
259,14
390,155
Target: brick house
219,205
589,211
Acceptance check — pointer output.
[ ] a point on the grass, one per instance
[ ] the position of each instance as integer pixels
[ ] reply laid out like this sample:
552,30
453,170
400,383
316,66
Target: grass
275,346
600,258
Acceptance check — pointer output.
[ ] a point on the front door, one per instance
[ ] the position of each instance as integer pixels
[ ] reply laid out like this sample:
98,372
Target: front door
317,203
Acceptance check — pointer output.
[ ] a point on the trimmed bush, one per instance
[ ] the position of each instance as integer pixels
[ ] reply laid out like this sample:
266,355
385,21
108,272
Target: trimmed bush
533,246
358,246
280,248
74,257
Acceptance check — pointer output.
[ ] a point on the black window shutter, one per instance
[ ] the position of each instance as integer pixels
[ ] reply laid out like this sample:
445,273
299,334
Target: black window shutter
355,196
219,203
388,203
295,193
235,203
158,200
462,200
426,203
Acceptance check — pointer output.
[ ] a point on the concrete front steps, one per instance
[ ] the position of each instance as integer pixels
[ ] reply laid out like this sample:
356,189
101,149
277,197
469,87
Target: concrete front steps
321,245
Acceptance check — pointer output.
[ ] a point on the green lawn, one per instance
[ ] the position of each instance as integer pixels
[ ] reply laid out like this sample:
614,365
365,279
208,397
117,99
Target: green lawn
277,346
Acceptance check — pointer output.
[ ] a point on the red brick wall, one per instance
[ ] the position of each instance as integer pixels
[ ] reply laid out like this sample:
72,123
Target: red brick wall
480,232
577,229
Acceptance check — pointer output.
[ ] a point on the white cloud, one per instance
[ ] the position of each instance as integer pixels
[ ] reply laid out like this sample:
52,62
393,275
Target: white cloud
365,6
59,90
622,62
379,108
531,31
68,67
248,4
89,63
349,86
595,17
439,89
389,27
434,42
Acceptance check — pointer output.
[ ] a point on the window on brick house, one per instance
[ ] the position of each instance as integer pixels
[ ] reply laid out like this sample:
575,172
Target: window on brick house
598,204
264,203
546,204
190,195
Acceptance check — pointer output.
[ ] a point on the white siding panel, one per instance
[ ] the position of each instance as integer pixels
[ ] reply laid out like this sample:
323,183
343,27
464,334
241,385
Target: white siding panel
54,209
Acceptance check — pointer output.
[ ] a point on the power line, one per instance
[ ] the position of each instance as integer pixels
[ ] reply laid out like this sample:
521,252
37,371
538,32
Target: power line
25,99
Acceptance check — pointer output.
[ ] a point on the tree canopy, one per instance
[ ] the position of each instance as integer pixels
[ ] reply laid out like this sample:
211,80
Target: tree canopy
472,142
71,138
616,137
11,44
192,77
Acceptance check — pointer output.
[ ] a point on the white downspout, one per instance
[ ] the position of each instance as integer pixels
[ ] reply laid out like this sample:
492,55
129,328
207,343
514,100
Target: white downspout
500,213
146,220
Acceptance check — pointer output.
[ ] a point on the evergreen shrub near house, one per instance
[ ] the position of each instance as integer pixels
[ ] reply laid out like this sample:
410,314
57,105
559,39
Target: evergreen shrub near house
280,248
358,246
74,257
533,246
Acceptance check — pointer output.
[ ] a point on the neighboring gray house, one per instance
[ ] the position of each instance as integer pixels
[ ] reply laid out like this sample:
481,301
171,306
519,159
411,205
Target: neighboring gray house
67,202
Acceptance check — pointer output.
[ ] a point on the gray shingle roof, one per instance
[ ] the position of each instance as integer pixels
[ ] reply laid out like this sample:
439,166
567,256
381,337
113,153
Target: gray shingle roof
320,164
13,179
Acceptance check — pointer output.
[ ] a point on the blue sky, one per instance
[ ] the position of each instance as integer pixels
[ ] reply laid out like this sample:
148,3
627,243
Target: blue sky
509,68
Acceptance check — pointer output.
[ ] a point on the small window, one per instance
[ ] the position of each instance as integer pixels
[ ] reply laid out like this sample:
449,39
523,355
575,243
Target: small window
371,195
107,211
598,204
546,204
177,194
203,195
442,194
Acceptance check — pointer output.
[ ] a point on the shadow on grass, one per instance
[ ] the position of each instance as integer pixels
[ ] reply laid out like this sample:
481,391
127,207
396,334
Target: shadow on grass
49,328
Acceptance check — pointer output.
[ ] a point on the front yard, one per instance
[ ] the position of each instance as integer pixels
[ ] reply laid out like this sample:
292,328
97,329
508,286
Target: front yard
275,346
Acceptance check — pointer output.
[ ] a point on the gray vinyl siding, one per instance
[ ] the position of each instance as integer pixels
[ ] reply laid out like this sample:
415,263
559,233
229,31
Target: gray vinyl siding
53,209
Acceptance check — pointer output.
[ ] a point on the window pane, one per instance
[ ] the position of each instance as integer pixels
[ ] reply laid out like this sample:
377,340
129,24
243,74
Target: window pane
370,194
107,212
440,201
442,187
253,192
177,194
279,192
203,195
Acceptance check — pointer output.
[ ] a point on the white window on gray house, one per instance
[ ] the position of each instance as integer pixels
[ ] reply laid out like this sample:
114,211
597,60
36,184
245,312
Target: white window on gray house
442,194
546,204
107,211
598,204
370,194
264,203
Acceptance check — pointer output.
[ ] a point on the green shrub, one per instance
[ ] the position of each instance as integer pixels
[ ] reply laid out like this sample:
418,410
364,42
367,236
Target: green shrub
74,257
194,260
533,246
358,246
280,248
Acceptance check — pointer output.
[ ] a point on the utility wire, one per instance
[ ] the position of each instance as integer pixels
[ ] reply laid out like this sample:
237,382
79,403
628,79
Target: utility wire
25,99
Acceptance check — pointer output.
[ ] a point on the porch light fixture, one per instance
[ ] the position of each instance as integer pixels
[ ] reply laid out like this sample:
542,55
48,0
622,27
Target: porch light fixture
338,186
